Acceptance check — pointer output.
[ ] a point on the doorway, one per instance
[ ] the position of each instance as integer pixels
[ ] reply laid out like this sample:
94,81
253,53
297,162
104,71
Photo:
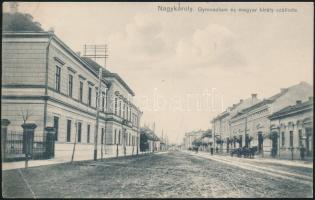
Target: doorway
274,139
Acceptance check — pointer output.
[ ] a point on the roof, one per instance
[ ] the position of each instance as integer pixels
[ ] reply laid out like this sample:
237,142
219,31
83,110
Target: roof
235,109
269,100
88,63
305,106
46,34
107,73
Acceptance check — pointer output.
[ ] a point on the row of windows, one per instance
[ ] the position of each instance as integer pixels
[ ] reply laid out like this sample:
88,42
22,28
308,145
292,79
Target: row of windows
291,138
81,84
125,111
130,140
69,126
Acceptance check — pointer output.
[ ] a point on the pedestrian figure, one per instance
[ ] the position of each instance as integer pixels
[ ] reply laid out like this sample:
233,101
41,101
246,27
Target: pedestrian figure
211,150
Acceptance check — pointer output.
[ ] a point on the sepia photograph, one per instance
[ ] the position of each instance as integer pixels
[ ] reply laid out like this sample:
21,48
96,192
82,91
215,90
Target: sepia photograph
157,99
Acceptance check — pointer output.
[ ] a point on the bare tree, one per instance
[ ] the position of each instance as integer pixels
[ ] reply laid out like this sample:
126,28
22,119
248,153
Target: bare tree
26,114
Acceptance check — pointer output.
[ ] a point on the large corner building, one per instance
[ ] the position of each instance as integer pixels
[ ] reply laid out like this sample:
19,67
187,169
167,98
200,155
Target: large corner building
56,87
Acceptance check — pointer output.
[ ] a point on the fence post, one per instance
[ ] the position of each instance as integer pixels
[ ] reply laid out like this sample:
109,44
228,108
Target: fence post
50,142
28,133
4,131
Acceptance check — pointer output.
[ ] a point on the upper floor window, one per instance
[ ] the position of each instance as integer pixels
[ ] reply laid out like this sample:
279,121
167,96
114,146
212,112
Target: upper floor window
103,102
57,80
96,97
119,108
124,108
115,106
90,96
70,85
81,92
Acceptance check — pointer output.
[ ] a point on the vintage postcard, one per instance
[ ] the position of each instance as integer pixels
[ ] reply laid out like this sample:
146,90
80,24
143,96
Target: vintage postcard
157,99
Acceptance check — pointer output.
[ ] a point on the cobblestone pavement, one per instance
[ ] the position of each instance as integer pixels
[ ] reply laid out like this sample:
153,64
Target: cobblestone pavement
173,174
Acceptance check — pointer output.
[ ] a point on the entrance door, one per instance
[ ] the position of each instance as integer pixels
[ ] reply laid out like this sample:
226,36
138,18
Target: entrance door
260,142
274,140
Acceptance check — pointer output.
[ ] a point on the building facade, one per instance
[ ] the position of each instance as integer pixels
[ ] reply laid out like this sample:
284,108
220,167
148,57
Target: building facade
192,136
291,129
56,87
252,126
221,124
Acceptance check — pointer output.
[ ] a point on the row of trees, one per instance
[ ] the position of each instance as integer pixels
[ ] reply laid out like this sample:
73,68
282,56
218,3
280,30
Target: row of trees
19,22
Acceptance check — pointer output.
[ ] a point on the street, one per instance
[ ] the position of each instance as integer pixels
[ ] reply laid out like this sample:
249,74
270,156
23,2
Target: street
171,174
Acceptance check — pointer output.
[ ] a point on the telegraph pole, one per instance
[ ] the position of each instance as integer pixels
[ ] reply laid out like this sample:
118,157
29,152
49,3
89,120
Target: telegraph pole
97,112
97,51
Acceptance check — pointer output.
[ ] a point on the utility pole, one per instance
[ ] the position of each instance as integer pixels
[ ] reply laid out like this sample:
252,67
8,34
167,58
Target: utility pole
97,51
97,112
245,138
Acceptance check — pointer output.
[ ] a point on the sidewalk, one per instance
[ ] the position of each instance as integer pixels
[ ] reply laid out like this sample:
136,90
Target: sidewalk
35,163
296,163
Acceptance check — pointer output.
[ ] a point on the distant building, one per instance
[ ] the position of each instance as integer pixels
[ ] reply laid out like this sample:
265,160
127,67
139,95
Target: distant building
251,126
292,128
221,123
192,136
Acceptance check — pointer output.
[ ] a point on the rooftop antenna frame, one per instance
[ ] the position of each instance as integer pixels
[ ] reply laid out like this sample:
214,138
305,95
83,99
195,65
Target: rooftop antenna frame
96,52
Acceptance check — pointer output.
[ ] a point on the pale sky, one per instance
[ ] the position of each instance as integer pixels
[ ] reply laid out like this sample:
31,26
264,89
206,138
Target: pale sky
175,57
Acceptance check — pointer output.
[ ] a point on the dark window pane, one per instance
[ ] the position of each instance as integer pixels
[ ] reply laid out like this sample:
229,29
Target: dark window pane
56,126
68,130
79,131
88,133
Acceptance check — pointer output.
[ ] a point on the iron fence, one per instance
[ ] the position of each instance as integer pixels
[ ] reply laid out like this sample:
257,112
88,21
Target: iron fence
15,147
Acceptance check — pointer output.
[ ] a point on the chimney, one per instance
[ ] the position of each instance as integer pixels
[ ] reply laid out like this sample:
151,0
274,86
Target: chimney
283,90
51,29
298,102
241,100
78,53
254,96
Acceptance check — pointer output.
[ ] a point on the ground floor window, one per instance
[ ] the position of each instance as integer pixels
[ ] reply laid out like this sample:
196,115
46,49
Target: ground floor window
56,126
102,138
115,139
68,130
282,139
291,138
119,137
300,137
88,133
79,131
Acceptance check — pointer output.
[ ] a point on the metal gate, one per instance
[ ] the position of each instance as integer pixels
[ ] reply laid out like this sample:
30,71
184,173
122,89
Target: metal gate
39,147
